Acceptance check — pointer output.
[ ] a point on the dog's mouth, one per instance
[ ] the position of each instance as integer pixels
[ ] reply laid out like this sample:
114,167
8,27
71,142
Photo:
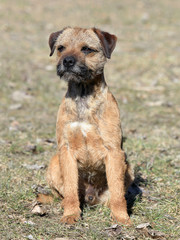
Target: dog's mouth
75,73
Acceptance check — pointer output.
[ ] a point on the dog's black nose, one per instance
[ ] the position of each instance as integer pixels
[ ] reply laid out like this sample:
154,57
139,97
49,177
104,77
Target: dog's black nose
69,61
90,198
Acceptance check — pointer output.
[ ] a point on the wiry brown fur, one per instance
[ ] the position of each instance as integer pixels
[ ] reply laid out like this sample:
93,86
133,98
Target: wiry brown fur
89,159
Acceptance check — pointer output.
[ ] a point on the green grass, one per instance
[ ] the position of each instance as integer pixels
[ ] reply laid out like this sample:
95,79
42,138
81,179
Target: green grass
144,76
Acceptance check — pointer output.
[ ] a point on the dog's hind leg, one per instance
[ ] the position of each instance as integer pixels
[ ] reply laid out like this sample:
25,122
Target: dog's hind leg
54,176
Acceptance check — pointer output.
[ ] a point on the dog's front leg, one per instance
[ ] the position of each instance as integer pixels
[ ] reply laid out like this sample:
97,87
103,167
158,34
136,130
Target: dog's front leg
70,183
115,172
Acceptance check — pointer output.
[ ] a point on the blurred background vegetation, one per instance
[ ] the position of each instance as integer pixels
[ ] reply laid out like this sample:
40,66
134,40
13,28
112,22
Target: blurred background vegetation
144,76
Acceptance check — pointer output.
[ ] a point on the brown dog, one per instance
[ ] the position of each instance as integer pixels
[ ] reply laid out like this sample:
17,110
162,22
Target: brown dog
88,126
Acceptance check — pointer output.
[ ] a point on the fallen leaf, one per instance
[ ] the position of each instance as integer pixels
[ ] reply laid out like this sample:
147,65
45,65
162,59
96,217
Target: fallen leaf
153,104
151,198
143,225
20,96
34,166
114,230
156,234
128,237
30,237
29,222
112,227
31,148
146,229
38,210
169,217
15,106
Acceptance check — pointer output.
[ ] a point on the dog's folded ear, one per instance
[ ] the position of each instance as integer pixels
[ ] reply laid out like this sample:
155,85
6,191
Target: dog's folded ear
108,41
52,40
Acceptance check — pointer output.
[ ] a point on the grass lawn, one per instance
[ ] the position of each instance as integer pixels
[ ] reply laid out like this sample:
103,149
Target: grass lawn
144,76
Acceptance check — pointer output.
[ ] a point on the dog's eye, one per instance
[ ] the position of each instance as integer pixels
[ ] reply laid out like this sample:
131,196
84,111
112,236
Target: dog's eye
61,48
87,50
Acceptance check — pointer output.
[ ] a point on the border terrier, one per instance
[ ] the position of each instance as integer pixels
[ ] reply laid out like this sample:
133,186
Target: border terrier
89,162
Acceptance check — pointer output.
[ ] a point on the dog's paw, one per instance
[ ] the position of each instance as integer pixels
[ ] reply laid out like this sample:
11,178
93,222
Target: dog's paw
70,219
121,219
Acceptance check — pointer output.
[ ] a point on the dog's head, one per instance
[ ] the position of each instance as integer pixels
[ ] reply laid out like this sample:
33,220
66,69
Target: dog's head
91,194
81,53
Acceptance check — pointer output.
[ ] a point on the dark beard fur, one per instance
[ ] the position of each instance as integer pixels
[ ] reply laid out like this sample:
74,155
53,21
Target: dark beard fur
84,89
76,73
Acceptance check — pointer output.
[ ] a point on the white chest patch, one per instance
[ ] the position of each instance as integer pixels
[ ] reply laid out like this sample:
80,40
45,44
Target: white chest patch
84,127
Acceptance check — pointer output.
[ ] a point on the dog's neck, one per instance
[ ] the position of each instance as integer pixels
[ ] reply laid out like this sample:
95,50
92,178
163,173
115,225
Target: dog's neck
84,89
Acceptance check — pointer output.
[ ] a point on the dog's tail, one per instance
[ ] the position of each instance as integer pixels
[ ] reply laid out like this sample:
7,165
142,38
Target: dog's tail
44,198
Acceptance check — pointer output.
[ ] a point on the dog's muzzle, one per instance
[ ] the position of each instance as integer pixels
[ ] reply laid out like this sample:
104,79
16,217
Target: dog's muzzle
70,69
